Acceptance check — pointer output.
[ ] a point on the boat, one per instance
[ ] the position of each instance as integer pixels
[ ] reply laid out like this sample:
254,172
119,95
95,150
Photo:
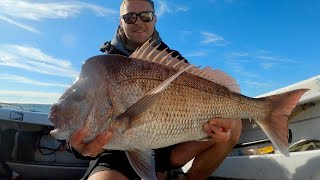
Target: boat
29,151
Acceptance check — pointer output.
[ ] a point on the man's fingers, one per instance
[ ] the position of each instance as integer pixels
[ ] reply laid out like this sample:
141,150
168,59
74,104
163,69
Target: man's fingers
76,138
222,122
217,133
95,147
92,148
209,129
104,138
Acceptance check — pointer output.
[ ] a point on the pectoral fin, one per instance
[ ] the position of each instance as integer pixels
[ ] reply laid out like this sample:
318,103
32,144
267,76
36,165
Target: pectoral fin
151,97
143,163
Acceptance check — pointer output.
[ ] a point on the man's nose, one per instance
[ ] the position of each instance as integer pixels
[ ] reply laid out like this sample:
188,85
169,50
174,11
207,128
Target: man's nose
138,21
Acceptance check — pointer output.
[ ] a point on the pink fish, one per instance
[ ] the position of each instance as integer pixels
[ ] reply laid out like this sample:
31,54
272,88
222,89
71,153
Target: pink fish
152,100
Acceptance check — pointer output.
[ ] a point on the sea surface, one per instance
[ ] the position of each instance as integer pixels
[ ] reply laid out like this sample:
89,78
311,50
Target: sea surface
41,108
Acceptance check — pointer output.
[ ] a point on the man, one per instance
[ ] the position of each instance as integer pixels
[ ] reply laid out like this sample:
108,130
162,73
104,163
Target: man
137,25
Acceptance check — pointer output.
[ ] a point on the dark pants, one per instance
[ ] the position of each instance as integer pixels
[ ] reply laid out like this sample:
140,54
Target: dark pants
5,171
118,161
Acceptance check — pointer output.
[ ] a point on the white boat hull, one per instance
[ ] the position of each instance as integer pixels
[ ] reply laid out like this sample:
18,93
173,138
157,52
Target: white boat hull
299,166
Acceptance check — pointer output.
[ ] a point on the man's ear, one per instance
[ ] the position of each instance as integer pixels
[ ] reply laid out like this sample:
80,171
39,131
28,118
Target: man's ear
120,20
155,18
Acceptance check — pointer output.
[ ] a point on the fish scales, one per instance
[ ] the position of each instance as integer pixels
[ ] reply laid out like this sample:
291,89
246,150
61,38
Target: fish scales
149,105
171,116
188,100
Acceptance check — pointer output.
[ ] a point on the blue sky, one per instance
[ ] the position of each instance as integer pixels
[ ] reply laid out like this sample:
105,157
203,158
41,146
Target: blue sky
263,44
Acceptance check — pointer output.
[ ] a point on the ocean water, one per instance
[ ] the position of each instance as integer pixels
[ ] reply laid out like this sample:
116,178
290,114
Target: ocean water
41,108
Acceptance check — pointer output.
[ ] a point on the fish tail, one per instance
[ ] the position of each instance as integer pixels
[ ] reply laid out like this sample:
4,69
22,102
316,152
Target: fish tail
275,125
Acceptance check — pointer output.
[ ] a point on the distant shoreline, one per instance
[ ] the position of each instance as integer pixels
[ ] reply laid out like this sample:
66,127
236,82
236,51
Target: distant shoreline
42,108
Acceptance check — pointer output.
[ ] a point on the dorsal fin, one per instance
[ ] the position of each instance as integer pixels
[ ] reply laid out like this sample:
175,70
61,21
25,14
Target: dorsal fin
149,52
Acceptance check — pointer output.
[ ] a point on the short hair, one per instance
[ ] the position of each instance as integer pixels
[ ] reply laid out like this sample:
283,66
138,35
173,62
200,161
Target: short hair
125,1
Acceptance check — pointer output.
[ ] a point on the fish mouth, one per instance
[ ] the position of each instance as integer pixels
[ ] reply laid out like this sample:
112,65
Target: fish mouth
56,120
61,129
61,133
53,118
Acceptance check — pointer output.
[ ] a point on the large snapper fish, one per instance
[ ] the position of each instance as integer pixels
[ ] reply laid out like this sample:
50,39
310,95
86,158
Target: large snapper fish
152,100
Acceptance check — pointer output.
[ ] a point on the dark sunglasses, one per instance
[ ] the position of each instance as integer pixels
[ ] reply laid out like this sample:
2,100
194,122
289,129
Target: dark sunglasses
131,18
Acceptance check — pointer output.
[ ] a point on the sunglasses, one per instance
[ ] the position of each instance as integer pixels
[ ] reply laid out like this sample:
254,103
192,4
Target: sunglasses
131,18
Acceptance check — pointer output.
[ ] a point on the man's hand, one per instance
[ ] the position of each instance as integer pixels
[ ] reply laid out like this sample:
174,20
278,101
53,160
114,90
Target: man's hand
220,129
94,147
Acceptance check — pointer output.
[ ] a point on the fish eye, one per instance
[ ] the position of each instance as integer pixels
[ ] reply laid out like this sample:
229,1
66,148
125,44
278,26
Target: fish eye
77,94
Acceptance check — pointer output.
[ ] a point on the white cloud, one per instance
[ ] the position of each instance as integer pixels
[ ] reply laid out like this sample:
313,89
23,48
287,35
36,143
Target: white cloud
33,59
20,25
274,58
21,79
225,1
32,97
11,10
182,8
240,69
163,7
259,84
254,66
267,65
23,9
239,54
262,57
212,38
196,54
69,40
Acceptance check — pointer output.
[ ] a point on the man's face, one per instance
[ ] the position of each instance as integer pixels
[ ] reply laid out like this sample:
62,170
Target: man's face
138,32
